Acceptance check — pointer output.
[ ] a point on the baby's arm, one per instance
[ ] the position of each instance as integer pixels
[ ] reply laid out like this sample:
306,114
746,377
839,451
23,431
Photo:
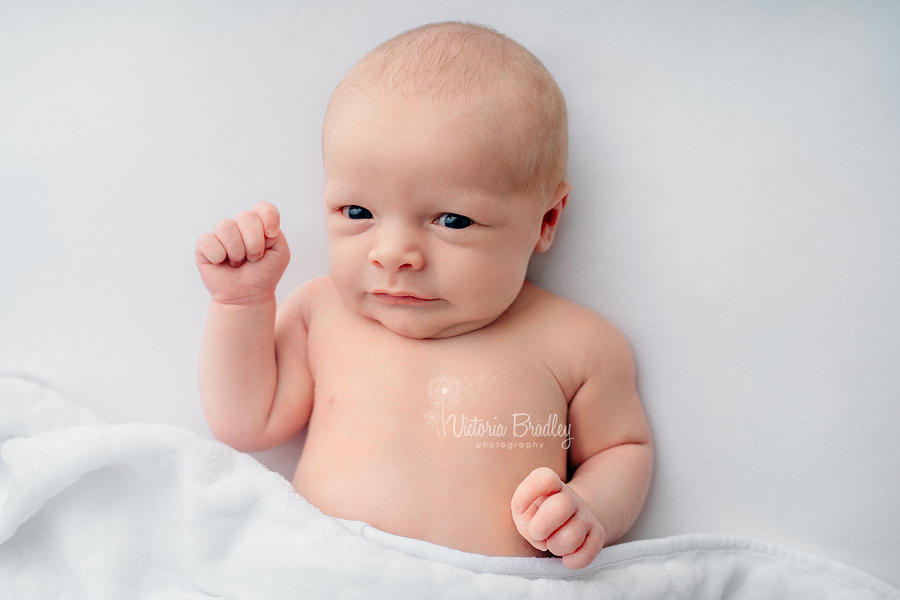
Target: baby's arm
612,455
255,385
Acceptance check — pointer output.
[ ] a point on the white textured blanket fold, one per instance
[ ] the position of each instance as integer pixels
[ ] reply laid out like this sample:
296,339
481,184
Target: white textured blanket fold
93,510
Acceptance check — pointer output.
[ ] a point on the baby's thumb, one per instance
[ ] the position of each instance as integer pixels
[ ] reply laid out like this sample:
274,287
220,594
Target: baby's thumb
278,245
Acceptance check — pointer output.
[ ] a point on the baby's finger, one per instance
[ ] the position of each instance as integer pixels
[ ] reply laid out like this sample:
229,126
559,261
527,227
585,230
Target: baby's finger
251,228
278,244
209,250
229,235
270,218
543,481
568,538
554,512
585,555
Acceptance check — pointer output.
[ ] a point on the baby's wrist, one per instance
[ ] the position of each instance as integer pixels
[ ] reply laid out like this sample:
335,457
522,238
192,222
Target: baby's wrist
260,300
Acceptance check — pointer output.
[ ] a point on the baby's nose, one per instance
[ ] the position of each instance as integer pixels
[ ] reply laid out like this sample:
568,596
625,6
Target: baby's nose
396,251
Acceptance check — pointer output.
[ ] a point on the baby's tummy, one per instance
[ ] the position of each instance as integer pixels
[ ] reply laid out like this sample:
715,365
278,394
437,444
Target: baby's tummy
445,475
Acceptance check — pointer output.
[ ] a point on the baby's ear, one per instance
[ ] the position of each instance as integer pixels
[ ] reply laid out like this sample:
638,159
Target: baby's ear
551,216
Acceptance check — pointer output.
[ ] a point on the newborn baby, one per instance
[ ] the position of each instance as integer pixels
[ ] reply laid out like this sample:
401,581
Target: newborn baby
446,398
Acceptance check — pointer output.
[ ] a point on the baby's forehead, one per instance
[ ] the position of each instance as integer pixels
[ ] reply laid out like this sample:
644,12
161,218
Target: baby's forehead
496,107
439,91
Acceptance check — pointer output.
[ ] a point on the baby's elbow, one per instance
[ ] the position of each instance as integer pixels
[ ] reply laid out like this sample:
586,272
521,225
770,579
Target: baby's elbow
642,459
648,458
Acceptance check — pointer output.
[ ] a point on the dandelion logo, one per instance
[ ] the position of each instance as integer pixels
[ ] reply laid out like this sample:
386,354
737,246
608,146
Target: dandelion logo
444,392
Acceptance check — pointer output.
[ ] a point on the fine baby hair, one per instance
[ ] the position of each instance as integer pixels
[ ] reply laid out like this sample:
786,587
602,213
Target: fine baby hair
475,63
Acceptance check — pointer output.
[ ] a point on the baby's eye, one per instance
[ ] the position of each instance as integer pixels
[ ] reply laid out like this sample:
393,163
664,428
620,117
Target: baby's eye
453,221
356,212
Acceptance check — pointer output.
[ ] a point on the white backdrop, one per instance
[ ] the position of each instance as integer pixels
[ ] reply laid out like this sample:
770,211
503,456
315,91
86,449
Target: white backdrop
736,211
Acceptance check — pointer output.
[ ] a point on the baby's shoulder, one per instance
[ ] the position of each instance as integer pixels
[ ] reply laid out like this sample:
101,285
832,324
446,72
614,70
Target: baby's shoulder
576,331
309,297
551,311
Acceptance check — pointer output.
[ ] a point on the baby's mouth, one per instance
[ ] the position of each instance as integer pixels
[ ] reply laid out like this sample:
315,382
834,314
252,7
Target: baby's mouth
401,297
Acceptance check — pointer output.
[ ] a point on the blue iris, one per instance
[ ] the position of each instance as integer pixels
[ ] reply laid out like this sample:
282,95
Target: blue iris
357,212
454,221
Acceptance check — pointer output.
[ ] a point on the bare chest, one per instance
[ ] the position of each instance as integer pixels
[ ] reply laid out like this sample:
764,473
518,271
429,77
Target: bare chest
401,428
475,393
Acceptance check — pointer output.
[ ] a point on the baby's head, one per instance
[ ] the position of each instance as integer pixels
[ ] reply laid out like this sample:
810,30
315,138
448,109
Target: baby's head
472,64
445,162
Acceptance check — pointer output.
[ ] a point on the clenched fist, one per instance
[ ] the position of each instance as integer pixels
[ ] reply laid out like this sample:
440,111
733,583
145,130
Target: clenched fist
243,258
552,516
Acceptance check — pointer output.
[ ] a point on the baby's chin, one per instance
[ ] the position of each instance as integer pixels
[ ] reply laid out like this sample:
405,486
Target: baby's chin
427,329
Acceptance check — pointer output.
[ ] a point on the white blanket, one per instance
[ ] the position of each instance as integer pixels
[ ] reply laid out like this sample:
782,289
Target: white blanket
93,510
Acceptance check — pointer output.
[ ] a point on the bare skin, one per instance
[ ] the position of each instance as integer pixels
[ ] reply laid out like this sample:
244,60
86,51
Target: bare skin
426,341
397,470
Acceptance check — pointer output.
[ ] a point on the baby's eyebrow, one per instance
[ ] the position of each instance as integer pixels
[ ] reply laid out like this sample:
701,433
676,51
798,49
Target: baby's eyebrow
465,198
343,195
